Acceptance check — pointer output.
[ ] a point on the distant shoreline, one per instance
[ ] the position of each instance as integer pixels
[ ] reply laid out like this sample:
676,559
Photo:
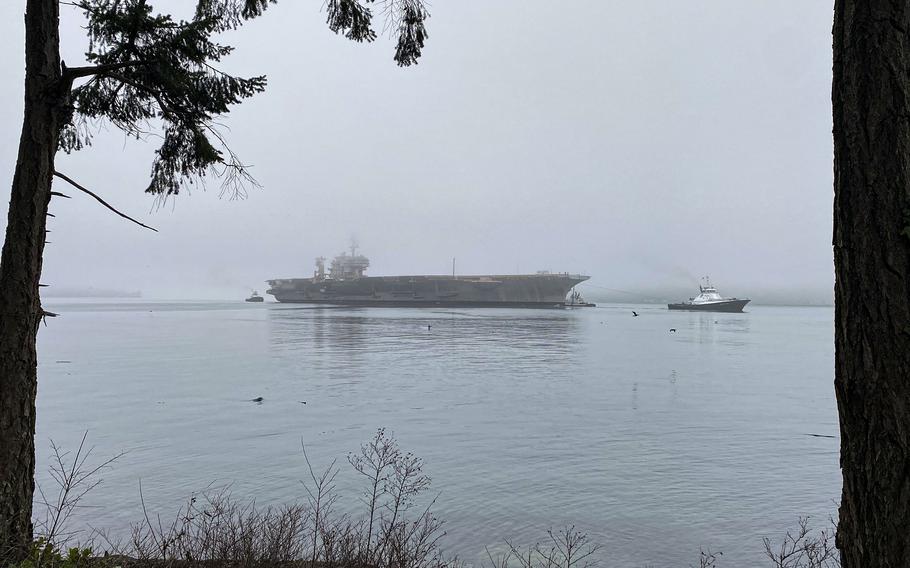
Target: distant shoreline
90,293
601,303
762,299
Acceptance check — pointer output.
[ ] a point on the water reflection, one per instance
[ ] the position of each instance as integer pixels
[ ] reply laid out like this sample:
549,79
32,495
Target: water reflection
345,338
719,328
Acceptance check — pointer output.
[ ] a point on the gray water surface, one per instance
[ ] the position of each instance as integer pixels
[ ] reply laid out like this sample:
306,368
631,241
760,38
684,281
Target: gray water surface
655,443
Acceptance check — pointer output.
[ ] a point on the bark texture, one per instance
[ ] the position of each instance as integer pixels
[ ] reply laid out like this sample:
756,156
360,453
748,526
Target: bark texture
871,101
20,270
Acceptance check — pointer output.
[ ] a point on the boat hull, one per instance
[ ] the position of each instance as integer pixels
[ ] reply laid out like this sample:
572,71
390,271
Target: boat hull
730,306
513,291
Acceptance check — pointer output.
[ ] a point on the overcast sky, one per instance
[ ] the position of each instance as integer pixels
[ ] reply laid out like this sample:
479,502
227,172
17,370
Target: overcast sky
642,142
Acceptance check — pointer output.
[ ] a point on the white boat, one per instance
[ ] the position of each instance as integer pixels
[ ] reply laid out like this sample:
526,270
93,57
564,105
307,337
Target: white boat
708,300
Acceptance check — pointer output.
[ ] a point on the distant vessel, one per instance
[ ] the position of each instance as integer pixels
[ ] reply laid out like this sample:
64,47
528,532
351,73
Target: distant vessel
255,297
346,284
708,300
575,300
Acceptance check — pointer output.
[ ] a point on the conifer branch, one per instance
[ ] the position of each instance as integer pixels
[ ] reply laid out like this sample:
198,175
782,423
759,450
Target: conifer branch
70,73
101,201
154,93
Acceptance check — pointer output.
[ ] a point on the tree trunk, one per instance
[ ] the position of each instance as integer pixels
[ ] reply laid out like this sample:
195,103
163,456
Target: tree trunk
871,98
20,270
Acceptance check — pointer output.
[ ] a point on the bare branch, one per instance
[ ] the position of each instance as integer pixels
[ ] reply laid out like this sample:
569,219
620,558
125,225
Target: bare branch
74,480
102,201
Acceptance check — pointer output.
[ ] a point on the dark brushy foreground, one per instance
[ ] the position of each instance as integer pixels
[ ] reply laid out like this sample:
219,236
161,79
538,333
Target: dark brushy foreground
395,527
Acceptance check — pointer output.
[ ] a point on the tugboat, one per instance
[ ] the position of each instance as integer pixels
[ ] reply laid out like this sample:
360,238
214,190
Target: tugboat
708,300
255,297
576,301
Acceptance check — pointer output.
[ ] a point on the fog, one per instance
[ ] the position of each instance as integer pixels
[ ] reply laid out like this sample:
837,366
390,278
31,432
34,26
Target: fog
644,143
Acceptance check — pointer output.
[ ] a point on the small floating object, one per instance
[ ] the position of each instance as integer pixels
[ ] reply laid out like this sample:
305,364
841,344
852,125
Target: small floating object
255,297
634,314
257,399
672,330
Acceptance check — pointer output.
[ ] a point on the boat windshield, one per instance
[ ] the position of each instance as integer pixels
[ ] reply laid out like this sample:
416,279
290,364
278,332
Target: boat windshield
708,294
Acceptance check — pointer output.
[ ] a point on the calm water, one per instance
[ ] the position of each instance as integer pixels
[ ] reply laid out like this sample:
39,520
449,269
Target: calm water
656,443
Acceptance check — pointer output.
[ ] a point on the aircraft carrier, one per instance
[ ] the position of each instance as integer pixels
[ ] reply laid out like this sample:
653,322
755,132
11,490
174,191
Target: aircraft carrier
345,283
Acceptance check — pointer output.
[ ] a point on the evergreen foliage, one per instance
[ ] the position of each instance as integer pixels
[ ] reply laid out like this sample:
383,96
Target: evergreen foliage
150,71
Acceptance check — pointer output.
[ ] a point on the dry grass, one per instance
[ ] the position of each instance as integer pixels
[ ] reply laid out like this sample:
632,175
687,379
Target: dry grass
395,528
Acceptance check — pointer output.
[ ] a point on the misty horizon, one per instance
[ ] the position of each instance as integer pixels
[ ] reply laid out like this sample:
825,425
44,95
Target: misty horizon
654,157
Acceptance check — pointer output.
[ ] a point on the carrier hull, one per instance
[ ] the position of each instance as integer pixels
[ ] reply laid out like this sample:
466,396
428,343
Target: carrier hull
513,291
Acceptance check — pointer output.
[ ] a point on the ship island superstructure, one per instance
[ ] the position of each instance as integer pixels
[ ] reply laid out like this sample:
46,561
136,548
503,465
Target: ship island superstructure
346,283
